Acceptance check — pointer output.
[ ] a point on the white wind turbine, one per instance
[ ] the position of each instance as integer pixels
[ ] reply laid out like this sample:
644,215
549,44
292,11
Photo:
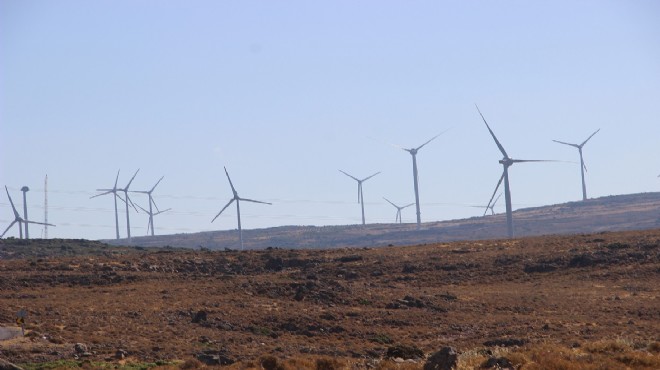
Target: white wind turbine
413,153
360,196
238,207
19,219
398,209
152,204
490,206
506,162
114,191
583,167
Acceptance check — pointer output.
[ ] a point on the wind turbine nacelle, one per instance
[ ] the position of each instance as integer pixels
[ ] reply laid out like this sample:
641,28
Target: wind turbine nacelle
506,161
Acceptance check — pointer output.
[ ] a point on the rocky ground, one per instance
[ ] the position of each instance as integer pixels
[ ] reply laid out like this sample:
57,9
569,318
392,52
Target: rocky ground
361,306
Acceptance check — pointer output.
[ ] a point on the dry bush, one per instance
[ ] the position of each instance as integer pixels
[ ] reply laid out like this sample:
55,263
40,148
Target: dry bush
192,363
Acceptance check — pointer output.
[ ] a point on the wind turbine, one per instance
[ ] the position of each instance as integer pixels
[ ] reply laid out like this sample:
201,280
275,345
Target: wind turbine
114,191
506,162
238,207
17,218
127,201
582,165
413,153
398,209
490,206
25,189
152,204
360,196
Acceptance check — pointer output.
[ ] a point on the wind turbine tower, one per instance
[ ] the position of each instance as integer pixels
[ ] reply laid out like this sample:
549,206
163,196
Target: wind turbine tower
413,153
506,162
25,189
398,209
360,196
582,165
114,191
238,207
18,219
127,201
46,207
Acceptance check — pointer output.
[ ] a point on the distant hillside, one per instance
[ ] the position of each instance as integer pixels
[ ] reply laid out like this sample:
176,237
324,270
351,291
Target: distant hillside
612,213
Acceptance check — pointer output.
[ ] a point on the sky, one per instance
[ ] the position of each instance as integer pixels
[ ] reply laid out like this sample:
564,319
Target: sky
285,94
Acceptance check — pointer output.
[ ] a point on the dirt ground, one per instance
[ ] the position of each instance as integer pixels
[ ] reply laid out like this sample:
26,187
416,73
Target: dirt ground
168,304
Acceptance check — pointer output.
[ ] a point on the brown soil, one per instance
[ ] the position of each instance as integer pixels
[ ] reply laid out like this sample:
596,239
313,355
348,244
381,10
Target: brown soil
170,304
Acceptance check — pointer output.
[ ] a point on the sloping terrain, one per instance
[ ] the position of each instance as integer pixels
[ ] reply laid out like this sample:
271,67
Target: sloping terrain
613,213
356,305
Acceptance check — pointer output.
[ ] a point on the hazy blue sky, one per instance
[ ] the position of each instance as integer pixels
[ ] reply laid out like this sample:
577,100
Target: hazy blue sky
285,93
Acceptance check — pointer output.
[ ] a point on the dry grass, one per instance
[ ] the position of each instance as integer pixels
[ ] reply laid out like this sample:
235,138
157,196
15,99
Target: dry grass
331,309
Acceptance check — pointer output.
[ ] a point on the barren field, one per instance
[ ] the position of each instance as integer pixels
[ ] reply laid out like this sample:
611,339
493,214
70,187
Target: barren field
585,301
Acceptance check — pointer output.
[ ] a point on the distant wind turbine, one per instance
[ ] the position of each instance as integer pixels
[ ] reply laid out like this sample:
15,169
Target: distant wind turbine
152,204
490,206
398,209
19,219
238,207
506,162
360,198
413,153
114,191
583,167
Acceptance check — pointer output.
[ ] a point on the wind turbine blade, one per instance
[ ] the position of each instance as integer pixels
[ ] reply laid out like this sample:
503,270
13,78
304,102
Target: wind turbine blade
223,208
230,183
254,201
493,134
37,223
365,179
592,135
152,189
154,203
165,210
433,138
496,199
139,206
98,195
8,227
408,205
130,202
494,192
354,178
132,178
117,179
388,201
569,144
16,215
536,160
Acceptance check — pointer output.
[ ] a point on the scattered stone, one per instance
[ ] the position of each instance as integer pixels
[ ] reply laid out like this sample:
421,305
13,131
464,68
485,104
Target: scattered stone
405,352
121,354
444,359
80,348
6,365
508,342
199,317
352,258
502,363
215,358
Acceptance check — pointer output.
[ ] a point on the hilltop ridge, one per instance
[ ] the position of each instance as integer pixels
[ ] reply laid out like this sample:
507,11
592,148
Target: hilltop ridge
611,213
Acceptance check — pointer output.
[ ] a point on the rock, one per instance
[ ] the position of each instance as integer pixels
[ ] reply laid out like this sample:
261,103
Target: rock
215,358
445,359
80,348
6,365
498,363
405,352
199,317
121,354
508,342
